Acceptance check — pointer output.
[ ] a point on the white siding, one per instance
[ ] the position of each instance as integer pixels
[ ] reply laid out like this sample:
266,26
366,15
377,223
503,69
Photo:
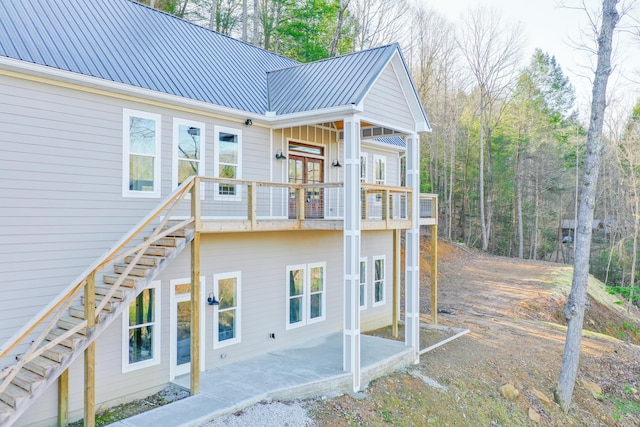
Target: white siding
385,103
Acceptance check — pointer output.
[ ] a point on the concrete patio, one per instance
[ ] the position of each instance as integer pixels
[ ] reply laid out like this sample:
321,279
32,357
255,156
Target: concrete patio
310,369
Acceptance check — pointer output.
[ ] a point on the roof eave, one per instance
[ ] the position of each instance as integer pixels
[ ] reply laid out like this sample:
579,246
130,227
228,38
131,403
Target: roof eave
48,75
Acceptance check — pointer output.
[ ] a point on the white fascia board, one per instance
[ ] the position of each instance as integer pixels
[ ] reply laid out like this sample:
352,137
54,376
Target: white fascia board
313,116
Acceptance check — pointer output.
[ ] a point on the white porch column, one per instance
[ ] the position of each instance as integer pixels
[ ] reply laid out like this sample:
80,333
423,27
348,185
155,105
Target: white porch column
412,248
351,334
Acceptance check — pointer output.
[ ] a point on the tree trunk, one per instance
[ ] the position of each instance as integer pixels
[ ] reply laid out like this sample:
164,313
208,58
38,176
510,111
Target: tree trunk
575,306
483,225
213,16
245,20
519,203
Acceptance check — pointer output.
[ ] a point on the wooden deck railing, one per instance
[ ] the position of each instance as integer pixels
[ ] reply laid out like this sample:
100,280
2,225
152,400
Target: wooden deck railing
428,209
53,312
246,206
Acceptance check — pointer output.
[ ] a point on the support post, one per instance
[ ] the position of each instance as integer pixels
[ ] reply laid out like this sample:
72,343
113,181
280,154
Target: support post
352,213
412,250
396,283
90,352
195,297
434,273
63,399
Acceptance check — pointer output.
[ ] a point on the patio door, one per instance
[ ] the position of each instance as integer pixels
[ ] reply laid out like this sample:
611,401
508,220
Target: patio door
307,170
180,315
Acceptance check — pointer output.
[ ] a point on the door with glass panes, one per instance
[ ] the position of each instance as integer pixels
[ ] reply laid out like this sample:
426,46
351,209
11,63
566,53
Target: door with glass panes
306,167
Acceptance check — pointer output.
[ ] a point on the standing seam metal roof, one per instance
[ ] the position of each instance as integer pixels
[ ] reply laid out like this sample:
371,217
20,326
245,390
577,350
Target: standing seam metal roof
127,42
331,82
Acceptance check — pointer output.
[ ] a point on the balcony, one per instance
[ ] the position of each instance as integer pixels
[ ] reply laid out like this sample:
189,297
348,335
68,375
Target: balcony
225,205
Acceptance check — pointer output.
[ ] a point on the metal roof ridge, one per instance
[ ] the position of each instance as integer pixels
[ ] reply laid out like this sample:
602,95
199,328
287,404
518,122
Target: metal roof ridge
302,64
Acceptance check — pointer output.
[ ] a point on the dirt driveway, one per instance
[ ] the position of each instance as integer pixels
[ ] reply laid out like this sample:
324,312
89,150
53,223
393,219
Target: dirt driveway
513,310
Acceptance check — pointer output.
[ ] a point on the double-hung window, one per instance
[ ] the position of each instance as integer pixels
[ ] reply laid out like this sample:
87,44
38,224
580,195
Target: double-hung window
226,287
188,150
363,167
141,326
378,280
141,154
363,283
380,170
228,161
306,294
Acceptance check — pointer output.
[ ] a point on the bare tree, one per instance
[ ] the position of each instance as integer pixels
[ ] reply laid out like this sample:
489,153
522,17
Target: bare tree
377,21
575,306
492,51
333,48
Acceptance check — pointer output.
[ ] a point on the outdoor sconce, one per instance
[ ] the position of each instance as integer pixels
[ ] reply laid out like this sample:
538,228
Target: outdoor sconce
280,156
212,300
336,164
248,122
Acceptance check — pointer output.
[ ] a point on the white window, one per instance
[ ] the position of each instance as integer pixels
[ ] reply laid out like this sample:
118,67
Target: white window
380,170
363,283
188,150
363,167
306,296
141,154
378,281
228,161
141,329
226,287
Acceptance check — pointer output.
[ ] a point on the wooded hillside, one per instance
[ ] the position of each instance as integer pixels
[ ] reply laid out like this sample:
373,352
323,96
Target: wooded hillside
508,142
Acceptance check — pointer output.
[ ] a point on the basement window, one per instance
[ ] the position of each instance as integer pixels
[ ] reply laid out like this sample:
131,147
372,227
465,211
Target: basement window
141,329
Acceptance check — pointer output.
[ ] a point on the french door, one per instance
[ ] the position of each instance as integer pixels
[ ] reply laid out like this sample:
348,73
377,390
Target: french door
307,170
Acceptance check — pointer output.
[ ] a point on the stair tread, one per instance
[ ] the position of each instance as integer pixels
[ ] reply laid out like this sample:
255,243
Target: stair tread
129,282
58,353
70,342
27,379
13,394
146,260
41,365
138,270
5,411
103,290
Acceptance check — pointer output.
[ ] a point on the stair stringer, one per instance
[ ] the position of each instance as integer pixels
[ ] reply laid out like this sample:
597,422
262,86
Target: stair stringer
103,322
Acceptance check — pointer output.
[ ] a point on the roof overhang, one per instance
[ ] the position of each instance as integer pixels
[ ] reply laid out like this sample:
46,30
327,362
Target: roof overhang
62,78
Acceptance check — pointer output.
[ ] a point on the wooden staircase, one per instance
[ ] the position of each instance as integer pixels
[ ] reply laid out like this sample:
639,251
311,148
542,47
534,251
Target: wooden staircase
67,335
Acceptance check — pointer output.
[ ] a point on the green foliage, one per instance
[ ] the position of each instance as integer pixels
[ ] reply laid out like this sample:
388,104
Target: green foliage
624,406
309,29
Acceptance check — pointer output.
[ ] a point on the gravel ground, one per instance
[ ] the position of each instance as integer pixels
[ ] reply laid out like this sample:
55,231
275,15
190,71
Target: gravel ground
267,414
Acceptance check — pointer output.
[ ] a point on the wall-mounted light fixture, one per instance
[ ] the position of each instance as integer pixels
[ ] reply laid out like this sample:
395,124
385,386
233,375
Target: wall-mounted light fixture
248,122
280,156
336,164
212,300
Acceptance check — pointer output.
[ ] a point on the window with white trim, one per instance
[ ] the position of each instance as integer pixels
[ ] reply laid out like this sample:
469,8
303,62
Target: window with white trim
141,327
363,283
188,150
380,170
226,328
363,167
141,154
228,161
306,294
378,280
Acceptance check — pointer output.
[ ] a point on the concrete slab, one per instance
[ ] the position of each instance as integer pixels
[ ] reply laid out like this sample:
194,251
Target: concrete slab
310,369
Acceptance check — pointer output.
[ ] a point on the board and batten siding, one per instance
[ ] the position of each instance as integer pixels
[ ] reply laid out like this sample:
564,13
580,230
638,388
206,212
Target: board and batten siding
385,102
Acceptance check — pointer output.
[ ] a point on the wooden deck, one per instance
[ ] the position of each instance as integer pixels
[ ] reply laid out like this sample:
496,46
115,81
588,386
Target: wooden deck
231,206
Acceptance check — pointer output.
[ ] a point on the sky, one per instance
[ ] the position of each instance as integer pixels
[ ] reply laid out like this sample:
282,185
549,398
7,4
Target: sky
552,29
